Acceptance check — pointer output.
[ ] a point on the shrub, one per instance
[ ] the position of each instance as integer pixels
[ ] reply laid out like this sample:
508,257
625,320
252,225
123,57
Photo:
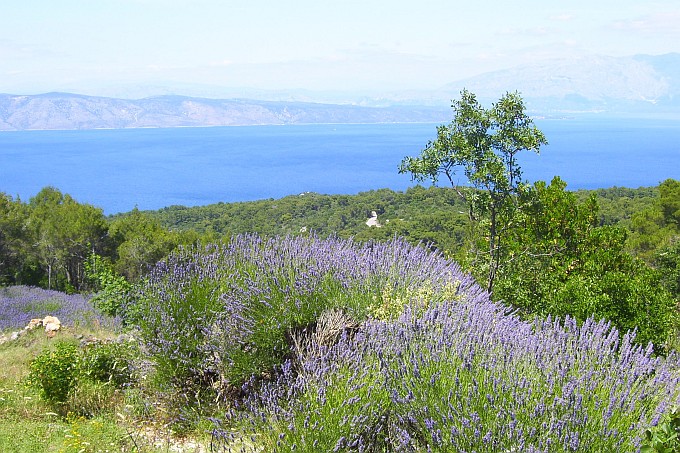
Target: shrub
464,376
81,381
109,362
54,373
113,289
214,317
664,437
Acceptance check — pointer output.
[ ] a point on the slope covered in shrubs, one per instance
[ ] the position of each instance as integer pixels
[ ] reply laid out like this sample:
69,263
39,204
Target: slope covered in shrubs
218,315
312,344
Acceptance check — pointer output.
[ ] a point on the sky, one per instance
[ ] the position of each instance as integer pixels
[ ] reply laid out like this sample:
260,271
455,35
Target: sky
100,47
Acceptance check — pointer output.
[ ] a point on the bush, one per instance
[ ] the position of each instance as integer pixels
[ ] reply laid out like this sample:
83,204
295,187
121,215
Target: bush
81,381
463,376
54,373
108,363
113,289
664,437
214,317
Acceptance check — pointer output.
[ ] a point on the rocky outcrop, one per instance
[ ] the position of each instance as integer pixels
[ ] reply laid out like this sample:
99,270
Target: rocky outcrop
51,324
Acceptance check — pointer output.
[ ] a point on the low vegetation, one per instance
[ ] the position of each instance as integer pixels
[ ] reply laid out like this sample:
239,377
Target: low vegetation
311,344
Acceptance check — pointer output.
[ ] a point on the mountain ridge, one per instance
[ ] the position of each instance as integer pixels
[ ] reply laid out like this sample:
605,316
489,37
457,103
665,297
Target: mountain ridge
52,111
635,85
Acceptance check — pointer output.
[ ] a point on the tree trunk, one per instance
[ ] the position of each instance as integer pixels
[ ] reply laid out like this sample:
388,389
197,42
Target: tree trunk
493,250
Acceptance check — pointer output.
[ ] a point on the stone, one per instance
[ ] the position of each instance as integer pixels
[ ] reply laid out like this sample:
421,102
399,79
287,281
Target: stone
33,323
51,323
373,221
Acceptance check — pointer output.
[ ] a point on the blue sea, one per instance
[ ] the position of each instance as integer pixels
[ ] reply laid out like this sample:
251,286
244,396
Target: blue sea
153,168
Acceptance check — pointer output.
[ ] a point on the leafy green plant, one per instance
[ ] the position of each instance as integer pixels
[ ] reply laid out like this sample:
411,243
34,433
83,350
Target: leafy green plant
108,363
81,381
664,437
55,373
114,290
483,144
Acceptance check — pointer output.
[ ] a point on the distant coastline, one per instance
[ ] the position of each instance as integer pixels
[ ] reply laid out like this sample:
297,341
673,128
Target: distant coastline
65,111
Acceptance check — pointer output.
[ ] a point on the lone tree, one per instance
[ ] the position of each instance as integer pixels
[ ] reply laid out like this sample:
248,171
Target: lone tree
483,144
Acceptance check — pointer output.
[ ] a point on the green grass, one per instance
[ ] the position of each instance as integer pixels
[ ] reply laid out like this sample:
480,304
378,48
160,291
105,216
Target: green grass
28,424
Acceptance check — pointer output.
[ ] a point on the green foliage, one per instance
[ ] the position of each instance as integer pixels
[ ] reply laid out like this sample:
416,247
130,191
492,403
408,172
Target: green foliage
82,381
13,239
54,373
64,233
669,192
113,292
484,144
141,242
667,260
108,363
664,437
29,424
657,223
560,262
619,204
430,215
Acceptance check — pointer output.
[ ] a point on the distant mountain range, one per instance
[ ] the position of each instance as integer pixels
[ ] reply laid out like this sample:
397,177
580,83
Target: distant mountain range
638,85
72,111
641,84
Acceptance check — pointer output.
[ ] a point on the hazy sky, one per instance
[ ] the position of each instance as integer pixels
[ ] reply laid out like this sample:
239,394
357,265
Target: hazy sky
374,45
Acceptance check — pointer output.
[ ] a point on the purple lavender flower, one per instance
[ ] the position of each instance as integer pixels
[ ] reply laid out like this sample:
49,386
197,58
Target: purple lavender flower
20,304
448,375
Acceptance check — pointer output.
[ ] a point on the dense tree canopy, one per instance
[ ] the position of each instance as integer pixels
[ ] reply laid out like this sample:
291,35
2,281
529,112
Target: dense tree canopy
561,262
64,233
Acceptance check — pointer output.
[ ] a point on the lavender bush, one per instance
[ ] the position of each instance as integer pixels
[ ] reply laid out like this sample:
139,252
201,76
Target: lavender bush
430,363
20,304
213,317
464,376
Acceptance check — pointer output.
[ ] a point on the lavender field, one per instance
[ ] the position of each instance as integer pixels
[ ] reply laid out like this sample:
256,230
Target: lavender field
315,345
20,304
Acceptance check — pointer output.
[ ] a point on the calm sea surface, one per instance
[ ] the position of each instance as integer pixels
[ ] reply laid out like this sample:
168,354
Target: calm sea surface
153,168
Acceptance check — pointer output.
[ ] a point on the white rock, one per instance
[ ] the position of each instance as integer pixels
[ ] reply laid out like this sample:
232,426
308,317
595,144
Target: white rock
51,323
